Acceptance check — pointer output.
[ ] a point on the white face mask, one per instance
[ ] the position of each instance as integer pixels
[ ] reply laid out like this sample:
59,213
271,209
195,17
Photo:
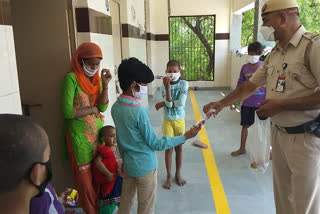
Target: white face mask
267,33
143,91
175,76
253,59
88,71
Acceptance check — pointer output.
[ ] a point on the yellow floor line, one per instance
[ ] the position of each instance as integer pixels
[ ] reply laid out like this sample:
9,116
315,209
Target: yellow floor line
218,193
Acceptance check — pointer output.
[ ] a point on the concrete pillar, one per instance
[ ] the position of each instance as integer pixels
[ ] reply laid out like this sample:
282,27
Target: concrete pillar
235,32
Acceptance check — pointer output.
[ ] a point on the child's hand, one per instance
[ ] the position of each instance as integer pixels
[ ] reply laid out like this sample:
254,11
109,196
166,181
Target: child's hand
233,107
110,177
166,82
65,194
159,105
218,106
119,172
119,163
192,132
95,110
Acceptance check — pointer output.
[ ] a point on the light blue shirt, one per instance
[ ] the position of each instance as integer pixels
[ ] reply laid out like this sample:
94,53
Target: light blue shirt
175,109
136,139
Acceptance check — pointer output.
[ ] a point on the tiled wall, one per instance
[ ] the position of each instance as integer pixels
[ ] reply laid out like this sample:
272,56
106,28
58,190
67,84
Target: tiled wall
134,34
9,86
157,26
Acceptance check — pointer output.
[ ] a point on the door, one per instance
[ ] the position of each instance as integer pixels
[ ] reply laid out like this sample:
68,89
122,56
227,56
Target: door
43,55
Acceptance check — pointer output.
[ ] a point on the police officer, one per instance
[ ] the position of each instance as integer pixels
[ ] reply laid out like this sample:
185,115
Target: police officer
291,74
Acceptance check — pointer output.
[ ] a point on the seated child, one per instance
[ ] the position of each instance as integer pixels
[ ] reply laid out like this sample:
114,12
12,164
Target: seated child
48,202
107,171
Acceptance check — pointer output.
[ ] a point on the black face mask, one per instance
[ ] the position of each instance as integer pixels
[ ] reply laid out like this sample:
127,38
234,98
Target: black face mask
42,186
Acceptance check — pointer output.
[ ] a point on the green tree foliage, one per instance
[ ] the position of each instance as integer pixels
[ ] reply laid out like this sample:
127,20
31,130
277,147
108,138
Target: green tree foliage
247,27
309,14
192,44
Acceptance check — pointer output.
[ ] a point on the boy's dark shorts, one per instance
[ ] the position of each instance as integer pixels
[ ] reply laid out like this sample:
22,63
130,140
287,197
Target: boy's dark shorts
247,115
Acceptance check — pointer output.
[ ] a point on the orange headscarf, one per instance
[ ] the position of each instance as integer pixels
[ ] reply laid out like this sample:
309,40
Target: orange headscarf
84,51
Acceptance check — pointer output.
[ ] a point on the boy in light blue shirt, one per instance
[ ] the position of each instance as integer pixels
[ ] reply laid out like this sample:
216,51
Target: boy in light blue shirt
136,139
174,92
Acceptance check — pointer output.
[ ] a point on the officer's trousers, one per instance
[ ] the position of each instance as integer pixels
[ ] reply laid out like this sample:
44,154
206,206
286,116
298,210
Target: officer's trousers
296,172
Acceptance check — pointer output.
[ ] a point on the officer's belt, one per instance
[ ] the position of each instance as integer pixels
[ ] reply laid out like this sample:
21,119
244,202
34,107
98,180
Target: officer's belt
306,127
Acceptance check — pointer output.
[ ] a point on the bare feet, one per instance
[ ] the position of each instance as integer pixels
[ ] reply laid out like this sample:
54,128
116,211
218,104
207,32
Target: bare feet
167,185
200,144
238,152
180,181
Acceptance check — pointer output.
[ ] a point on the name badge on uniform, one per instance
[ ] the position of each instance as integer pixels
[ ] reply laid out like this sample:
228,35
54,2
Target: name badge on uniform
281,84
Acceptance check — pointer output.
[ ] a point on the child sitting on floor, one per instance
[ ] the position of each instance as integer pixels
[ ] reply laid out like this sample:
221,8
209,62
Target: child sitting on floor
107,171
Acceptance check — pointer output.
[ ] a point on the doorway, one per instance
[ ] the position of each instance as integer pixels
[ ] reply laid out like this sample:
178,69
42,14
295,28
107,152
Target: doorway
42,44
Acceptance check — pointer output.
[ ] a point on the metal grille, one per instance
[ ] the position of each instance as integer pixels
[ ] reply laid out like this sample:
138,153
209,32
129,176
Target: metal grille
192,44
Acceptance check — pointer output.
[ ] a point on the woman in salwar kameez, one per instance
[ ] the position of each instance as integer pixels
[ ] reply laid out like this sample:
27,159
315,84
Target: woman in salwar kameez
84,96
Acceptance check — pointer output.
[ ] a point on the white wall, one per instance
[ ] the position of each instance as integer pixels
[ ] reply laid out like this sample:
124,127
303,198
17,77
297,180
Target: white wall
135,48
135,13
159,16
158,50
9,85
99,5
159,57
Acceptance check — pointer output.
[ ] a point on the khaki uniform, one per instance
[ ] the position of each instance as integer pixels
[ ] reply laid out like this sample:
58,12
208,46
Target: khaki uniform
296,157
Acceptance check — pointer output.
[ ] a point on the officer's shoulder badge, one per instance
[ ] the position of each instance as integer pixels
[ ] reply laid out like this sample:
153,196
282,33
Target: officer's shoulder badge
314,38
311,36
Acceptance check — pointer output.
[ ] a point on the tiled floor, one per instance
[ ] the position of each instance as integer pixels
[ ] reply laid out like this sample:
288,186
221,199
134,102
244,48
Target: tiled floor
247,191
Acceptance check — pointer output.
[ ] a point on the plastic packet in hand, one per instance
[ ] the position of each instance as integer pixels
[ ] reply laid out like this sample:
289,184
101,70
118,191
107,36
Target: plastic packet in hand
161,77
71,198
200,123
